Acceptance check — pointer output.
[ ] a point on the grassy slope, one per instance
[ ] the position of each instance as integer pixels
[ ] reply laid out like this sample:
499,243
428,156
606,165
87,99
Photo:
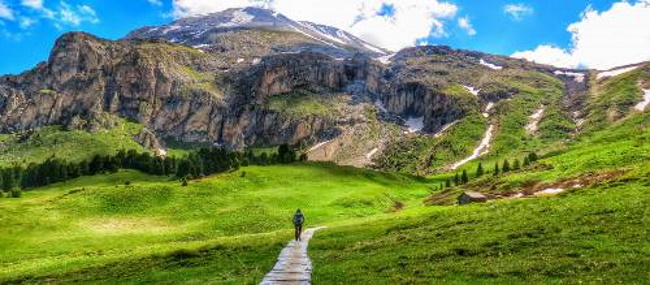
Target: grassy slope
60,230
592,235
73,145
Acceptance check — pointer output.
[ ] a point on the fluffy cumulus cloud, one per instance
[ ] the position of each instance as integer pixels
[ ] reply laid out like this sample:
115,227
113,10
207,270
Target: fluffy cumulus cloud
408,20
517,11
602,40
548,54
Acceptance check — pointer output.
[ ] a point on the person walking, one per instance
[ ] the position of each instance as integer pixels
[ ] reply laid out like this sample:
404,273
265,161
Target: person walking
298,220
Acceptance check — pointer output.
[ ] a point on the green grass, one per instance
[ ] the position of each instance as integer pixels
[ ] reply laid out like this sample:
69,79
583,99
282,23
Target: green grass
612,98
75,229
230,227
591,236
73,145
303,104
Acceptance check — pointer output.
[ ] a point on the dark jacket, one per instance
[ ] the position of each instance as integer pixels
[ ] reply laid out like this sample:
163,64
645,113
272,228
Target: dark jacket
298,219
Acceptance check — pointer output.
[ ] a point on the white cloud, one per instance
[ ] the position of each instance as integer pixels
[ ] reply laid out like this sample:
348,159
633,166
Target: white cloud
412,20
155,2
466,25
76,15
6,12
34,4
547,54
603,40
517,11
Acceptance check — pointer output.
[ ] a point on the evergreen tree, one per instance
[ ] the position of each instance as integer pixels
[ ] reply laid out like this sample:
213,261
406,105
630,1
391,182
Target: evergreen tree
448,182
264,159
516,164
532,157
506,166
496,169
456,179
479,170
464,177
8,180
526,161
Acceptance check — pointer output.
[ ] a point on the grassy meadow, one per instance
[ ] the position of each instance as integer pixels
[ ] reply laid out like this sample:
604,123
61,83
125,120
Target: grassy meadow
382,228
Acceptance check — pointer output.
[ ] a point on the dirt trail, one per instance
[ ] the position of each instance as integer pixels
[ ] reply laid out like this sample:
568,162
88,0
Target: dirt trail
293,266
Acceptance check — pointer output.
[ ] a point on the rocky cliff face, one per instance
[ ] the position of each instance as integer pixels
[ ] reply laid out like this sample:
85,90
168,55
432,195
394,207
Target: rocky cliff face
193,95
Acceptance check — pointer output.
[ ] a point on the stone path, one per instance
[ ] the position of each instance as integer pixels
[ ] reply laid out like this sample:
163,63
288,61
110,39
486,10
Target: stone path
293,266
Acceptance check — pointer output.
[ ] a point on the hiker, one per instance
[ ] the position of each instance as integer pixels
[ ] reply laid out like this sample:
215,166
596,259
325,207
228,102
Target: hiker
298,220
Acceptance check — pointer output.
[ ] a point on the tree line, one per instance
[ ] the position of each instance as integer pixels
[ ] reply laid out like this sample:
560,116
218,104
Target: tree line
506,166
197,163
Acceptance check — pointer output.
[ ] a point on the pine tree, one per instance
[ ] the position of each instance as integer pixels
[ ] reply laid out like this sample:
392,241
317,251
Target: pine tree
456,179
496,169
465,178
479,170
532,157
516,164
526,161
448,183
8,181
506,166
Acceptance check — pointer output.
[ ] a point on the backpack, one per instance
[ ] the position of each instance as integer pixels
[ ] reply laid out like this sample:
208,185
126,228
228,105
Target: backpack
298,219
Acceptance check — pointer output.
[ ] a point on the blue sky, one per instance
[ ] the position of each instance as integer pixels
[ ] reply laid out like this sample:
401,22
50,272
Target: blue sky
28,28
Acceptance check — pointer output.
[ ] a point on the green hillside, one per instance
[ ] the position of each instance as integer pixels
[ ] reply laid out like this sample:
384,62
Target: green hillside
381,227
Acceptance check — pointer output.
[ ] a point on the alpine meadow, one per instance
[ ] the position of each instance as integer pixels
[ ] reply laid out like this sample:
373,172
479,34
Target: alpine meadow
193,152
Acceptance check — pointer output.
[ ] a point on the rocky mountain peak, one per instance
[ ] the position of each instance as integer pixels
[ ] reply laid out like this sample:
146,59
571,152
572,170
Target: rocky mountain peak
261,32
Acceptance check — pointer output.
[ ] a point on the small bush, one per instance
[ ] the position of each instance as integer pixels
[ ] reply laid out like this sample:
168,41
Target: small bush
16,193
127,183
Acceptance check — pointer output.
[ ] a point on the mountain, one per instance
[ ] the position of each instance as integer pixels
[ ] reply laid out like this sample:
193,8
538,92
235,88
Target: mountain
252,78
256,32
108,174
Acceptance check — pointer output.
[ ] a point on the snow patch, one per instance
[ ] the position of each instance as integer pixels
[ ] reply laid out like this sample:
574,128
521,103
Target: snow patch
444,128
318,145
415,124
646,100
239,17
318,31
373,48
240,60
578,77
482,149
531,127
549,191
386,59
200,46
371,153
256,61
381,106
489,107
169,29
614,72
312,37
490,65
471,89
